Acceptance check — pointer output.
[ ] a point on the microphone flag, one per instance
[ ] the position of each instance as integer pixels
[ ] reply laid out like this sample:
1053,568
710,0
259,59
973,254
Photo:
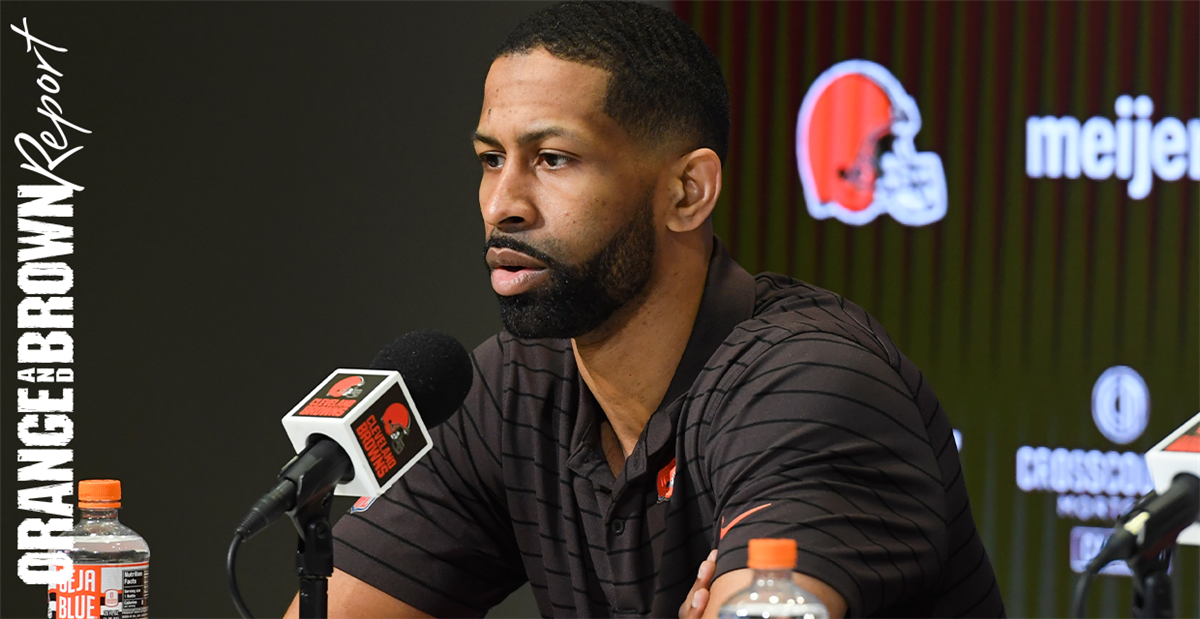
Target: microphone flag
371,415
1178,453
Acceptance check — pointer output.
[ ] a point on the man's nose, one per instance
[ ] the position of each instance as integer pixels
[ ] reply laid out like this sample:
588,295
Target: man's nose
509,204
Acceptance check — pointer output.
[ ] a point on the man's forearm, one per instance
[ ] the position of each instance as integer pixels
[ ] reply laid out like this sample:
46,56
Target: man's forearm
732,582
352,598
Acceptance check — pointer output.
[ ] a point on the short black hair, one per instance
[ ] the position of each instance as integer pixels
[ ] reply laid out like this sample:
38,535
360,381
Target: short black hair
665,82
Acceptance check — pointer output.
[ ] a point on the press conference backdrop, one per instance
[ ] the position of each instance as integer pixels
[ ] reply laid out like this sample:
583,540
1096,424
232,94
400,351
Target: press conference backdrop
273,190
1046,269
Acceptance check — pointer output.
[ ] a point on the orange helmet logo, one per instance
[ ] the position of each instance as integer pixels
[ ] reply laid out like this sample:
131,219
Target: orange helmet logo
666,481
854,146
395,424
349,387
395,418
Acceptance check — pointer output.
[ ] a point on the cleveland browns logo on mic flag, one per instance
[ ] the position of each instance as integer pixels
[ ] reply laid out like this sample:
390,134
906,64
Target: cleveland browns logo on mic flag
349,387
854,147
339,395
395,425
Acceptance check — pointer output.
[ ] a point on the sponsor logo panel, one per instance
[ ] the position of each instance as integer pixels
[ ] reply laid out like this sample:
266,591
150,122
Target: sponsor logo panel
1132,148
1095,485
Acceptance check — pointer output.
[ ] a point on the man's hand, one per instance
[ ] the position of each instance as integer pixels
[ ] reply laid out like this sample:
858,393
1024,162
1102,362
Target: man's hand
697,599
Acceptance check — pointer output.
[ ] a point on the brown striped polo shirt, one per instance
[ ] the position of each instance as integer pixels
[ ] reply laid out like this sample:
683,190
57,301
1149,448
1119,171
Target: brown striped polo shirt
791,414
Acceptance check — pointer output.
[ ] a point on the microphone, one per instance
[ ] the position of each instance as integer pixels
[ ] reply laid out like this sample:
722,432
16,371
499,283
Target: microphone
1178,453
1154,524
1156,520
360,430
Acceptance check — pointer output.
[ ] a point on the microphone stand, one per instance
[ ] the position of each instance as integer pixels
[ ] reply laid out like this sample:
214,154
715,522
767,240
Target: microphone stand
314,555
1152,586
315,473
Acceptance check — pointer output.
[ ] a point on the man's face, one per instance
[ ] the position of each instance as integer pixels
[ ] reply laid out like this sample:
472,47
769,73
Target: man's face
567,198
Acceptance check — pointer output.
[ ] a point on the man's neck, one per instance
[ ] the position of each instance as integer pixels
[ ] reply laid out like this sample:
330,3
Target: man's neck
629,362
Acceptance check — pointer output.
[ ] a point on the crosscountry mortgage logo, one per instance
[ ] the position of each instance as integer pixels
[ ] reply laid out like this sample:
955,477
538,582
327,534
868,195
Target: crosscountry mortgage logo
1091,484
1121,404
854,147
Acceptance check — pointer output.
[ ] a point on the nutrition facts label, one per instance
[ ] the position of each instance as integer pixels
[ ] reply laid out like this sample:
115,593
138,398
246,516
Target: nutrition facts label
102,591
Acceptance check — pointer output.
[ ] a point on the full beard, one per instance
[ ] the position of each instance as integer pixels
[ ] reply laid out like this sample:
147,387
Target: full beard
578,299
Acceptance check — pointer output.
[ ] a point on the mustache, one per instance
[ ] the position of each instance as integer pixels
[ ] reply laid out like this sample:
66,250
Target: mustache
504,241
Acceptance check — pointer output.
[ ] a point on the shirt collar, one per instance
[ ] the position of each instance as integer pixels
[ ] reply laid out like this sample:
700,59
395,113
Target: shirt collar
728,300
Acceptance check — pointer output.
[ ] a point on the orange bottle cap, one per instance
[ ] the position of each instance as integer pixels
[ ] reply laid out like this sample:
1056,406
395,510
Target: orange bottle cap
772,554
99,494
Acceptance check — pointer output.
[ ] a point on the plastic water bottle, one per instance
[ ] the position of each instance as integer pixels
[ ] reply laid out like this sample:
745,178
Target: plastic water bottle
773,593
110,576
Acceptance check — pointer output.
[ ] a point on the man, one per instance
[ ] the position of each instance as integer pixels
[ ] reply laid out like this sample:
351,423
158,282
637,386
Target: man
651,407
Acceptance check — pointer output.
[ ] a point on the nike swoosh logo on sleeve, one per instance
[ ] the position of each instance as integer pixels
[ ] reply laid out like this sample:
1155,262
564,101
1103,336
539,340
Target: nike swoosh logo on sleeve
726,527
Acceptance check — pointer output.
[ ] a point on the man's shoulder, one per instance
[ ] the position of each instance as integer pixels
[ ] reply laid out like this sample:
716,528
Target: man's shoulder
504,350
790,312
514,389
800,341
505,362
803,307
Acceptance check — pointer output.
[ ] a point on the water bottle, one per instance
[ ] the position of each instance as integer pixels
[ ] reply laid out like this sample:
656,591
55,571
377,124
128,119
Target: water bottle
110,572
773,593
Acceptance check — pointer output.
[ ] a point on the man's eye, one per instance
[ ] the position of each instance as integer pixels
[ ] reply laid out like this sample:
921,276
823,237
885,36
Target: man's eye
492,160
555,160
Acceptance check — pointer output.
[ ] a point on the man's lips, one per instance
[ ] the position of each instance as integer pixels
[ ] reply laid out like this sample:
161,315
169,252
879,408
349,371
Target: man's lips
514,272
501,257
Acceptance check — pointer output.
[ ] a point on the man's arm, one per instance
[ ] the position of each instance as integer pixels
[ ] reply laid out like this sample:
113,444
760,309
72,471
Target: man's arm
705,601
820,440
351,598
732,582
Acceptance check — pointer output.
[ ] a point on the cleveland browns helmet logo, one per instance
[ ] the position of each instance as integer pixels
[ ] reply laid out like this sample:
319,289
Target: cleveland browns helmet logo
854,147
349,387
395,424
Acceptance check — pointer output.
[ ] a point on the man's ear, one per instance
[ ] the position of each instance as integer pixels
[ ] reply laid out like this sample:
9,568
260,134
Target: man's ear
698,184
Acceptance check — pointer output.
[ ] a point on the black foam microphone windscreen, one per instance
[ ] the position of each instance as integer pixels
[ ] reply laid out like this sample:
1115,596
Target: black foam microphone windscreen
436,369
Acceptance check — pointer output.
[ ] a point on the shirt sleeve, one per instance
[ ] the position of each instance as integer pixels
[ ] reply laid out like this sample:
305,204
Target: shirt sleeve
817,439
440,539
